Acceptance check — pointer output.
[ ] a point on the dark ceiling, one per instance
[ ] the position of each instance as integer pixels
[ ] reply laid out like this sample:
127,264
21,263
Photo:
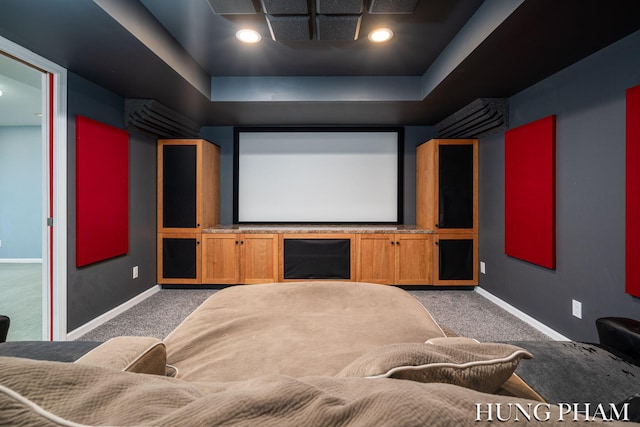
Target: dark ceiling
443,56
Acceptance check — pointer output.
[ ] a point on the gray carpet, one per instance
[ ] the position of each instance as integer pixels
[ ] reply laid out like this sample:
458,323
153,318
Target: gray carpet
471,315
156,316
462,311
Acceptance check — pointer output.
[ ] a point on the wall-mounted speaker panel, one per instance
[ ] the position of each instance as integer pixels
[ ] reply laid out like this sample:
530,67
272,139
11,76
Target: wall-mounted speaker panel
392,6
232,7
289,28
285,7
339,7
345,27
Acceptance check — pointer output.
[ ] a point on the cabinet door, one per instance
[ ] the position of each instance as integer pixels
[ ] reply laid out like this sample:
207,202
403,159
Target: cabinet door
259,258
414,259
375,258
179,258
456,259
177,182
221,259
456,186
447,185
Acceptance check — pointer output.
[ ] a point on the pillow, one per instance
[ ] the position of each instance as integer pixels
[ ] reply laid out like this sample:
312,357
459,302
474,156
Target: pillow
460,361
131,354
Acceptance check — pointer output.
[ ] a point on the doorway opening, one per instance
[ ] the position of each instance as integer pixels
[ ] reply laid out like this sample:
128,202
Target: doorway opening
32,194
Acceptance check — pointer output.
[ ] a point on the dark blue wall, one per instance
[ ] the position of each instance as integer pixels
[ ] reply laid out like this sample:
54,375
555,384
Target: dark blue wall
588,100
97,288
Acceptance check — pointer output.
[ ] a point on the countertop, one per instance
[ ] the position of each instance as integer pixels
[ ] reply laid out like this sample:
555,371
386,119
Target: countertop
316,229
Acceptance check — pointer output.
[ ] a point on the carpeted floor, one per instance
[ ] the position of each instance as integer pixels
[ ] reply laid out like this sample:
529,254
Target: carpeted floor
471,315
463,311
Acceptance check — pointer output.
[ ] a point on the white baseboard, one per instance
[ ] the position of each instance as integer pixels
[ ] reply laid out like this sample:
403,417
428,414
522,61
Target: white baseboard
89,326
20,260
521,315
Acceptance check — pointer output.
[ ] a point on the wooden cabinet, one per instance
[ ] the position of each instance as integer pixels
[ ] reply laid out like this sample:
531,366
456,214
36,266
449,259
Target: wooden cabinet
239,258
455,259
221,259
447,202
447,185
402,259
188,185
179,257
188,201
258,258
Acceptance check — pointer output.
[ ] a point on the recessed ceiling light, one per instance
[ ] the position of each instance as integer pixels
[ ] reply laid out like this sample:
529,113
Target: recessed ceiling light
248,36
380,35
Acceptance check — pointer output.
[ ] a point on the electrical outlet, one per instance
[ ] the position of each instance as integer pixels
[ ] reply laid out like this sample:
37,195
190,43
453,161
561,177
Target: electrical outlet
576,308
135,272
483,269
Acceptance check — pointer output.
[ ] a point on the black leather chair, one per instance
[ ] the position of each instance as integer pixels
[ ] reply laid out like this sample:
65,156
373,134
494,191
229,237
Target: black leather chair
621,336
4,328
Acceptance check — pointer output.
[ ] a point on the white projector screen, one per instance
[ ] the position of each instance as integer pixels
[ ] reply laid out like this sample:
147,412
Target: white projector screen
319,176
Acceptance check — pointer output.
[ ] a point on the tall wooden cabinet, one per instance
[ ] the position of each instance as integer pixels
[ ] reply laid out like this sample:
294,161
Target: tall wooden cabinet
188,201
447,202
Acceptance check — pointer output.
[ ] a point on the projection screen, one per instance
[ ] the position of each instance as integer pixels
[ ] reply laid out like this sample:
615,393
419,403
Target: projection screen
318,176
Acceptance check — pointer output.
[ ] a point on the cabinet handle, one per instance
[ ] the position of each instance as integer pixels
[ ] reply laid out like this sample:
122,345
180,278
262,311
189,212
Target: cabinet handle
436,242
197,225
398,243
437,226
393,243
242,242
197,242
237,242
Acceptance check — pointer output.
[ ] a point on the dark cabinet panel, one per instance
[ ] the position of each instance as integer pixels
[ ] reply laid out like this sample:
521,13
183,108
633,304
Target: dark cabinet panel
455,259
455,186
317,259
179,257
179,200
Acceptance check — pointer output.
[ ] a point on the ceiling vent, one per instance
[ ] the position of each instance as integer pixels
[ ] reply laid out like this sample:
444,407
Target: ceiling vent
482,117
149,117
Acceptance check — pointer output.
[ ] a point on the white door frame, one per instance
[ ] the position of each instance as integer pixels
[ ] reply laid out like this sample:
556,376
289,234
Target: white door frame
54,131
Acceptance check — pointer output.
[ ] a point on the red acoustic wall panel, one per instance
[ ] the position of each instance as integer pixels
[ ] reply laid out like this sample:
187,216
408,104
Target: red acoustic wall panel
530,197
102,191
633,192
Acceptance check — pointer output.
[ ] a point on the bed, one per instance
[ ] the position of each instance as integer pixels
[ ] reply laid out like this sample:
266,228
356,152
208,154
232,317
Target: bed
301,353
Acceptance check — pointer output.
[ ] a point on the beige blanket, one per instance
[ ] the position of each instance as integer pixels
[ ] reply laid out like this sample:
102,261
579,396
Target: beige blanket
36,393
297,329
